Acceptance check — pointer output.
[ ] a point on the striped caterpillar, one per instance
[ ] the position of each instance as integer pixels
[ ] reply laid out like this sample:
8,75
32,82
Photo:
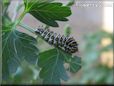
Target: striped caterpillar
68,44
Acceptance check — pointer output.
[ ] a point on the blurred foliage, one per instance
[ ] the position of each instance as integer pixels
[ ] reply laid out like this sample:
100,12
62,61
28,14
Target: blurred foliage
25,74
97,63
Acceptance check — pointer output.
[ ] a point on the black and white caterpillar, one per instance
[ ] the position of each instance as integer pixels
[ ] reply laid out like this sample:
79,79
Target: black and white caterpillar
68,44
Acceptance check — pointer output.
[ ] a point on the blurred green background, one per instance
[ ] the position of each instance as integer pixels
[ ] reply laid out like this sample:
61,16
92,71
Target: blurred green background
97,66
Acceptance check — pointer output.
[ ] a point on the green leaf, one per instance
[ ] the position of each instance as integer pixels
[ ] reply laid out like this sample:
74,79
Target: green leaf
75,64
29,3
24,75
16,47
71,2
52,66
48,13
5,6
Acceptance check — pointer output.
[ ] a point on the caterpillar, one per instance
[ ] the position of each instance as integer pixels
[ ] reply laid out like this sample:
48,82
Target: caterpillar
68,44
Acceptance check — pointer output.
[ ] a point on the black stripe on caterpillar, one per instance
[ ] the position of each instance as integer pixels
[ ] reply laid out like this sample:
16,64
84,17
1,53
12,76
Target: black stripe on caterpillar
68,44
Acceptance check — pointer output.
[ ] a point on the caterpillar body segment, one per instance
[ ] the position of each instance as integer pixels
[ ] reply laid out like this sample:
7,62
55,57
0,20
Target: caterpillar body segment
68,44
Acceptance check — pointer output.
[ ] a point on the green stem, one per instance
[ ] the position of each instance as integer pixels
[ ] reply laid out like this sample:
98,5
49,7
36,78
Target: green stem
21,17
19,20
26,27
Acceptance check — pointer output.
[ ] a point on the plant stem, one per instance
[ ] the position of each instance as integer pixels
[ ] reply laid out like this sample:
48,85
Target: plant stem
26,27
18,20
21,17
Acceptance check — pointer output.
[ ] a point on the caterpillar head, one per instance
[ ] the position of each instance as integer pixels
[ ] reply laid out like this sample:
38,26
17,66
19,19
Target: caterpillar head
39,31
